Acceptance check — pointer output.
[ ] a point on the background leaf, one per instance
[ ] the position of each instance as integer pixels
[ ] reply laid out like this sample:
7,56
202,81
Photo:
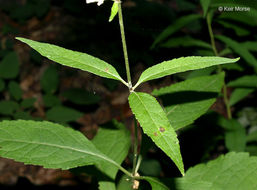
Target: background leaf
62,114
181,65
205,5
155,124
235,134
247,81
188,100
230,171
8,107
239,49
80,96
50,80
114,141
178,24
15,90
28,103
185,41
239,94
50,100
2,85
74,59
47,144
9,66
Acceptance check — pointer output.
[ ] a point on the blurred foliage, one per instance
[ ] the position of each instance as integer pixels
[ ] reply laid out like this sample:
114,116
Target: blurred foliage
156,31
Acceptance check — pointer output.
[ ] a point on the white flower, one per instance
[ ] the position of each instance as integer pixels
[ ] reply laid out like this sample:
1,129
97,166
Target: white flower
99,2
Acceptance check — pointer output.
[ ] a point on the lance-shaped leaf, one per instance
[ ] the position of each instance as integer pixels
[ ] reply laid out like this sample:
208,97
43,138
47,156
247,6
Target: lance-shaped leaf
186,101
74,59
178,24
181,65
239,49
248,81
155,183
48,144
205,5
231,171
238,94
156,125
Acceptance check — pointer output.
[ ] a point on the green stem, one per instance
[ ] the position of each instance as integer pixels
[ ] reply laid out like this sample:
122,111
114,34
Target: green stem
135,153
225,95
123,39
211,34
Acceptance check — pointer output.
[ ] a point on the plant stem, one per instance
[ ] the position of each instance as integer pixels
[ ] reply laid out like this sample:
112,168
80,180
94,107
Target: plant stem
125,52
225,95
123,39
135,153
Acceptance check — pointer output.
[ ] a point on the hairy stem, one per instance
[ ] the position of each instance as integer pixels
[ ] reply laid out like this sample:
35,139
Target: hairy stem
124,45
225,95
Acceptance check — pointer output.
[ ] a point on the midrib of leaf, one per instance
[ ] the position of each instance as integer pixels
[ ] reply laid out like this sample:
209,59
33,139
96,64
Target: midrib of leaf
62,147
156,126
89,65
56,55
163,71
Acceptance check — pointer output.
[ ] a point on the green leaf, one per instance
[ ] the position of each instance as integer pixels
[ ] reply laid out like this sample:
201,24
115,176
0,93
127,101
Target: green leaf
150,167
156,184
252,149
2,85
190,99
178,24
238,94
62,114
50,80
114,11
28,103
9,67
106,185
205,5
238,30
186,41
252,137
51,100
80,96
114,143
75,59
232,66
48,144
181,65
15,90
232,171
239,49
251,46
124,183
235,134
22,115
247,81
156,125
202,72
8,107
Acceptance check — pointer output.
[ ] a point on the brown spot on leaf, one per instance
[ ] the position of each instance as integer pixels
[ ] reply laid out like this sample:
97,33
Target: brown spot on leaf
161,129
106,69
155,134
